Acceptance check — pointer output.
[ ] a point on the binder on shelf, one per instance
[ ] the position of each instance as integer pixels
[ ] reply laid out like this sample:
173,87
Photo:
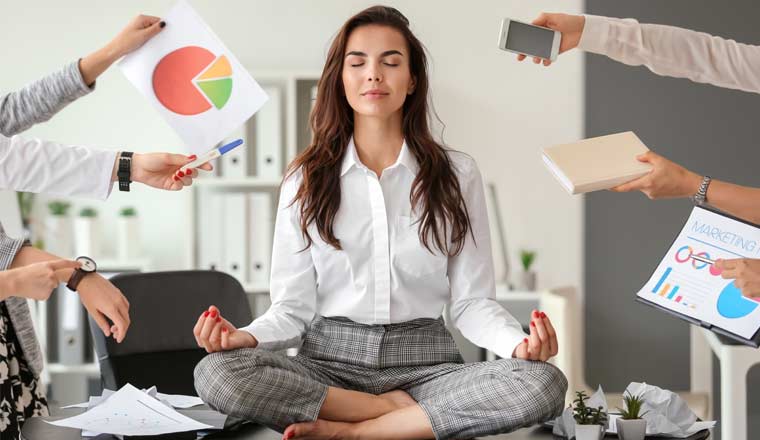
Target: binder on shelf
71,333
235,163
268,129
260,236
234,235
210,228
313,96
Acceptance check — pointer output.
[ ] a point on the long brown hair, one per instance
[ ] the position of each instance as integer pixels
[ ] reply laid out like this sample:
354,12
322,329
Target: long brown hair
436,193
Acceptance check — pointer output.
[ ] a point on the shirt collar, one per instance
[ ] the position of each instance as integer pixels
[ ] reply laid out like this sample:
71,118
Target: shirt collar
405,158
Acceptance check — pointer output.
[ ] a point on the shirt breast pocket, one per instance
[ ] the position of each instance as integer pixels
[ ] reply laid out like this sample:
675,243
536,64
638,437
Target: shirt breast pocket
411,256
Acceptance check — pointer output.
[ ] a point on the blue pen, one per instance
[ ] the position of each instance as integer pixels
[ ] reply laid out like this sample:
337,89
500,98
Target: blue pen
213,154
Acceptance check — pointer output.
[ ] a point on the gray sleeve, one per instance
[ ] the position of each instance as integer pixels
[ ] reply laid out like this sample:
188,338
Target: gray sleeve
40,100
9,247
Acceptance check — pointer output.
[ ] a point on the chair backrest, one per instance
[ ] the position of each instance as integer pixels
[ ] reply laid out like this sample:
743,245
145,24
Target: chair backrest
160,348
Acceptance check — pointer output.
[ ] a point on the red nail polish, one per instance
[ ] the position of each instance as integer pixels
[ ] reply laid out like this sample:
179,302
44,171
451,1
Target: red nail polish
291,434
180,174
535,314
525,340
532,324
205,314
219,319
213,314
175,178
188,171
193,157
224,330
543,315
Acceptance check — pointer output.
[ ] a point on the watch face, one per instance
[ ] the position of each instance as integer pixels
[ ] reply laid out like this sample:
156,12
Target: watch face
88,264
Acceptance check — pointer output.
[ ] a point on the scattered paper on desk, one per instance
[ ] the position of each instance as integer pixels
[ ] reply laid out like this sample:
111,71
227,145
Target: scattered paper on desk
178,401
130,411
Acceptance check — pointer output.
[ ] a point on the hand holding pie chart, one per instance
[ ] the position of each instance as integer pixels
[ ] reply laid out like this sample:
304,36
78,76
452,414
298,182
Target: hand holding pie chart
191,80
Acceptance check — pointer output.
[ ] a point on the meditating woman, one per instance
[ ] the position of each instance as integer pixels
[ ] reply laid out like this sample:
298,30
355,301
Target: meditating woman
378,228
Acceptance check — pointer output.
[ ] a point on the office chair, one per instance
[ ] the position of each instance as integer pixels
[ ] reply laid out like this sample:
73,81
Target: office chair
160,348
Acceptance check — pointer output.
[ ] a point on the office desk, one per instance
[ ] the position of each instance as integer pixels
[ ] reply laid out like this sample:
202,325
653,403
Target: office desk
37,429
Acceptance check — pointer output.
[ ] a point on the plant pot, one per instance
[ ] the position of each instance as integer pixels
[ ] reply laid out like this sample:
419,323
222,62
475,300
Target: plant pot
635,429
58,235
86,237
128,237
528,281
589,432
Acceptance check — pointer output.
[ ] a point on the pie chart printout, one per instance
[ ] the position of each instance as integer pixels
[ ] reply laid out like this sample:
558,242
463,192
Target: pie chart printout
191,80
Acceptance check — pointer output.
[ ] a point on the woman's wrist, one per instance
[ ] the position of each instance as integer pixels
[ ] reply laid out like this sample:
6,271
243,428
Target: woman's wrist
94,64
7,283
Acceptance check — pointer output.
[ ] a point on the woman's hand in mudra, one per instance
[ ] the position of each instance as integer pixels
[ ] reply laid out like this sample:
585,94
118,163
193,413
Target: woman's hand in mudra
214,333
541,345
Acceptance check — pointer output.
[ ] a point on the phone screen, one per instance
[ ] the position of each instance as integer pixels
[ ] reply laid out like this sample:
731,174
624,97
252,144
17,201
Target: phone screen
530,40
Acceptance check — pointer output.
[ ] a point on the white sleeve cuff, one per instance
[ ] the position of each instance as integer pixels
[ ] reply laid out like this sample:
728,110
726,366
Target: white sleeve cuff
596,34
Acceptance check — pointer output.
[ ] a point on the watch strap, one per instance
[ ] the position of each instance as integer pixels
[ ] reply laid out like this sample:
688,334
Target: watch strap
124,172
76,277
701,195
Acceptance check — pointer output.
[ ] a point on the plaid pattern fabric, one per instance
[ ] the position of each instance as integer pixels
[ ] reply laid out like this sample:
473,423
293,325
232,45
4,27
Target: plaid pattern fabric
420,356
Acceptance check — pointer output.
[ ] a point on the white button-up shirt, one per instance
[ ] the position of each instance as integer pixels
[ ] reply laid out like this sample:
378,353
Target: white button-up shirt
40,166
383,274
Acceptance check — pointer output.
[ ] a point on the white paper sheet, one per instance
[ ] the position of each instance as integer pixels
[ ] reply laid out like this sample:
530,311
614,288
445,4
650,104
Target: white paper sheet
193,80
696,289
178,401
130,411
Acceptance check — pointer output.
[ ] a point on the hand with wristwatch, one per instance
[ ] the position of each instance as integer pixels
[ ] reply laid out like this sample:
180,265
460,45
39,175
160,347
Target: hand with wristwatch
103,300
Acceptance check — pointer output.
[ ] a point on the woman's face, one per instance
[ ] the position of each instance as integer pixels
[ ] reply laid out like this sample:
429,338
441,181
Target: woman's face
376,73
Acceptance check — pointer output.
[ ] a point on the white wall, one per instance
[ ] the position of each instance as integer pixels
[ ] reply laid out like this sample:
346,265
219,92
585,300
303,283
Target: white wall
500,111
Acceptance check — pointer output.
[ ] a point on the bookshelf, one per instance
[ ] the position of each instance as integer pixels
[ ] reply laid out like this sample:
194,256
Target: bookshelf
240,245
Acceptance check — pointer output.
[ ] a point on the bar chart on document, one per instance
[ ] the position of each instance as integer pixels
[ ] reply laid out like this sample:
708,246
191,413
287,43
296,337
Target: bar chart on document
695,288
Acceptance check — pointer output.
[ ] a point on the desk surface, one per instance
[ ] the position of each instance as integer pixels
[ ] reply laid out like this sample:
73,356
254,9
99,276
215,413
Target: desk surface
37,429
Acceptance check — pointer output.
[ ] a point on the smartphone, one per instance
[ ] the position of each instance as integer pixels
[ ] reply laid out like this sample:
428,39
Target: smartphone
527,39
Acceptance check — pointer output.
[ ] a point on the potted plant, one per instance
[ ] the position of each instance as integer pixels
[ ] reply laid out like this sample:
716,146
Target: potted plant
589,422
630,425
527,277
58,228
85,232
25,205
128,227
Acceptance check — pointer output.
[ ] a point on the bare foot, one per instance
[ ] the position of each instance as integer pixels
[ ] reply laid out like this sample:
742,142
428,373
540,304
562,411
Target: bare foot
319,430
400,398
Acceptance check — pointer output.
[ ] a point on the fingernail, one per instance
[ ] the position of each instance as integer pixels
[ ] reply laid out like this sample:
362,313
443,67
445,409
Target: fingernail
535,313
180,174
187,171
175,178
205,314
291,434
219,319
533,324
213,314
525,340
543,315
224,330
193,157
163,23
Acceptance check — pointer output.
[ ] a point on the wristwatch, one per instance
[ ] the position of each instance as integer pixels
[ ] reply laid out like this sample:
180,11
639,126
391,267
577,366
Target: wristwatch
87,267
701,196
125,170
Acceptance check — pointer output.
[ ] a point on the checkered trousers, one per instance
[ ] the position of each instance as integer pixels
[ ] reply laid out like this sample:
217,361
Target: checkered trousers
420,357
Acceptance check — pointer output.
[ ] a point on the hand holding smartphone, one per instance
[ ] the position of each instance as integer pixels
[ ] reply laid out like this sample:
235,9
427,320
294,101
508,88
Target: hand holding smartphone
527,39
